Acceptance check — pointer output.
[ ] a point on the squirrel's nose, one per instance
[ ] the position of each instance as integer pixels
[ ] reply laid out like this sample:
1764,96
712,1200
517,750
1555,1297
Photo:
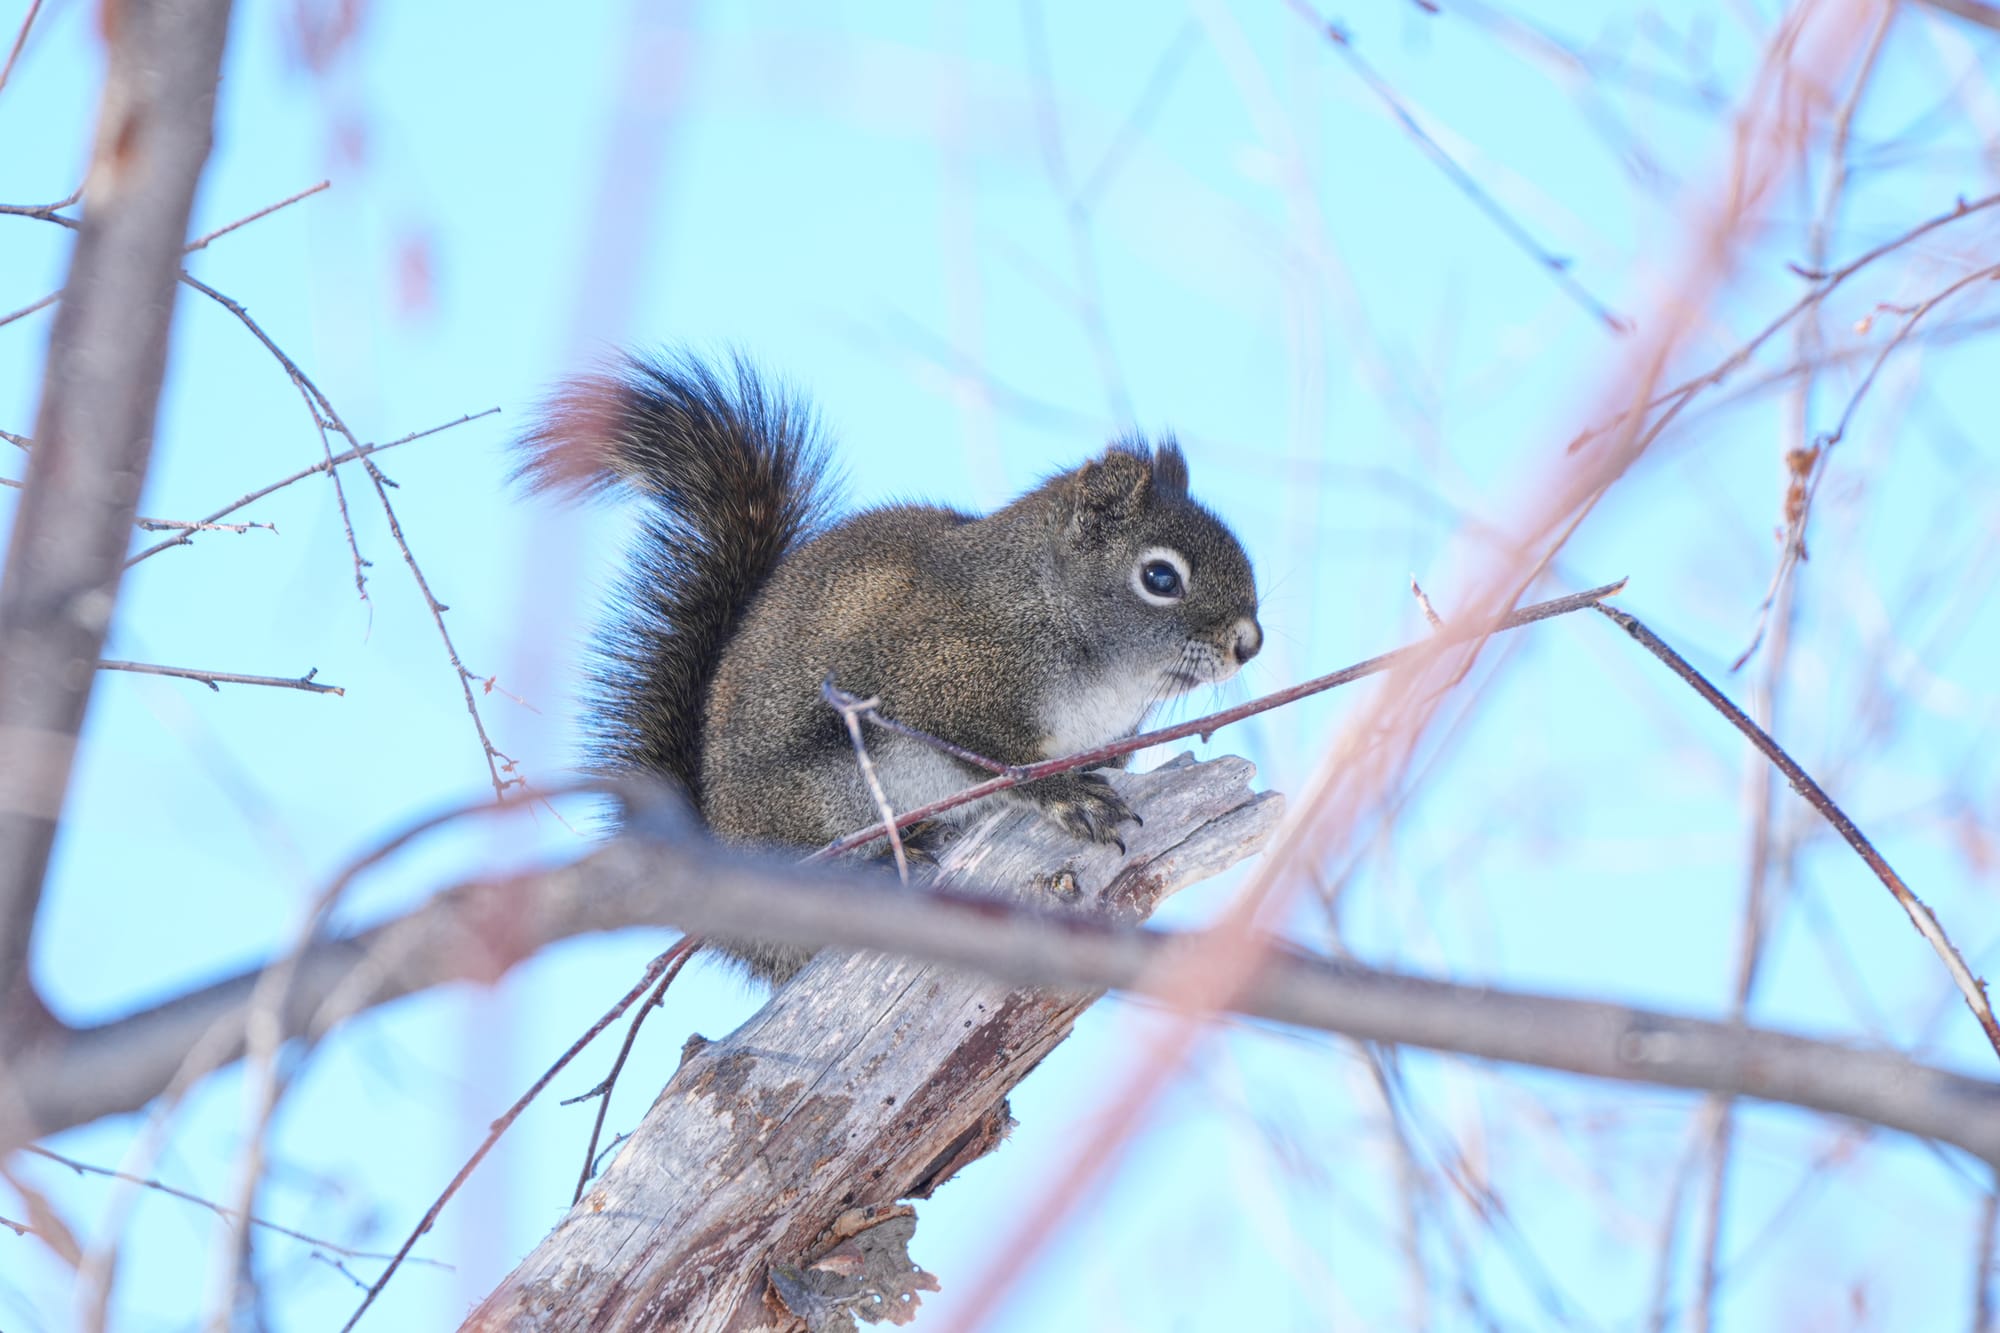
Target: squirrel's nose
1249,638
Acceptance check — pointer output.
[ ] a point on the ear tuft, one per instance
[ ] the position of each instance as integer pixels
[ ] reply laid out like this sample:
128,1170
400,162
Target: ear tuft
1170,469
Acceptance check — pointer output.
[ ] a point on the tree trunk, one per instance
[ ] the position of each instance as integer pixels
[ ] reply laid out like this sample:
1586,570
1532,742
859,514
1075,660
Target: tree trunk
762,1190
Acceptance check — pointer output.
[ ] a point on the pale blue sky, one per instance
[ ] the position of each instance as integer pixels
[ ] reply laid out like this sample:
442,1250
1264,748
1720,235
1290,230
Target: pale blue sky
1364,369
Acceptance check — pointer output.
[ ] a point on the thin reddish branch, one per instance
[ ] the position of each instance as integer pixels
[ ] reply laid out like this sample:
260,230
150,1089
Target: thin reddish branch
674,960
1969,986
1375,747
1977,12
201,242
851,709
20,40
1204,727
671,958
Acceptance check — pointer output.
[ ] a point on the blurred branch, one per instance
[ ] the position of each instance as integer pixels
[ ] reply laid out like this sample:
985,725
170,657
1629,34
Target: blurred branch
1972,11
1772,861
107,356
1076,217
893,1113
480,929
1985,1259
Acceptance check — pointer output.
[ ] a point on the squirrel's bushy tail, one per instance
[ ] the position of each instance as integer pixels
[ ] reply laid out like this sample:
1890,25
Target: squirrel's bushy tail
735,474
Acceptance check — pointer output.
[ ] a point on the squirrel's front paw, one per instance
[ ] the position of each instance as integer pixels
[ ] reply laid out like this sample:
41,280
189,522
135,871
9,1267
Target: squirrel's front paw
1083,803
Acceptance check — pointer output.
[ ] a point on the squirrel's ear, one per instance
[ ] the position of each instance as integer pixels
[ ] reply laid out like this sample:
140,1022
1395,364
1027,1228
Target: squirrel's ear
1108,490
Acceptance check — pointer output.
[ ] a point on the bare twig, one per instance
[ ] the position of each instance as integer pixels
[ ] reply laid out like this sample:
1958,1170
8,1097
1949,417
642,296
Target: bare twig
318,406
30,308
1824,284
20,40
160,1186
1551,263
872,712
141,521
506,1121
201,242
215,680
1972,11
1424,603
1808,465
47,213
1969,986
667,966
325,417
851,707
145,524
1205,726
1911,318
358,451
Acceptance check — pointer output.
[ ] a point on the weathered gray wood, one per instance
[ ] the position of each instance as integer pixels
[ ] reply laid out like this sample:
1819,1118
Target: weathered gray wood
782,1150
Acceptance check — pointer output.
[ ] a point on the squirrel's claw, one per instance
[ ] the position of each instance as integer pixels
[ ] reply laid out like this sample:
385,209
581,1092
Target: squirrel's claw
925,840
1084,804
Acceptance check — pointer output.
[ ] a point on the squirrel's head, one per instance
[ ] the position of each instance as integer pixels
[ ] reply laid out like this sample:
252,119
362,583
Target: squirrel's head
1168,579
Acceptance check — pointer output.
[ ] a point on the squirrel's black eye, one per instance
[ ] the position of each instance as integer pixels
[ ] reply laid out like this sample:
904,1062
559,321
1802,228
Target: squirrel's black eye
1161,579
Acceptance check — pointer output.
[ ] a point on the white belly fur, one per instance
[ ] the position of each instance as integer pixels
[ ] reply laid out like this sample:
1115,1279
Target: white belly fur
913,774
1108,708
